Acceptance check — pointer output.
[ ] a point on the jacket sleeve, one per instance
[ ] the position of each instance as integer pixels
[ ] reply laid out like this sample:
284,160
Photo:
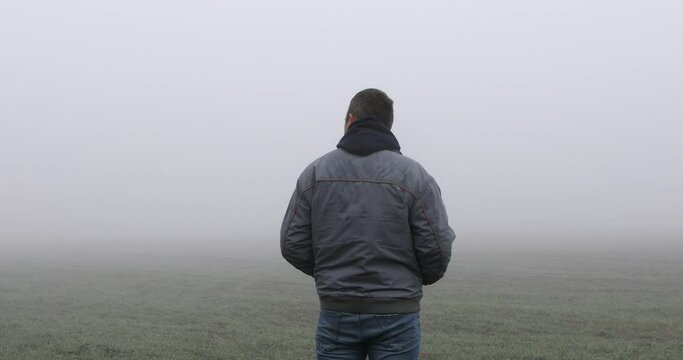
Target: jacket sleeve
295,234
432,236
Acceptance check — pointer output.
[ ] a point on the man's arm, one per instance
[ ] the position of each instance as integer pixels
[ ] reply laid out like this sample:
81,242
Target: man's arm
295,234
432,236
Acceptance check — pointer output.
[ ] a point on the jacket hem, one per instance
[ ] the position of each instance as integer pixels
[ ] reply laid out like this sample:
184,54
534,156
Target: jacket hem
371,305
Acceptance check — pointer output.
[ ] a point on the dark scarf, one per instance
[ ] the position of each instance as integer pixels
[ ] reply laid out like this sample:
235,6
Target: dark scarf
366,136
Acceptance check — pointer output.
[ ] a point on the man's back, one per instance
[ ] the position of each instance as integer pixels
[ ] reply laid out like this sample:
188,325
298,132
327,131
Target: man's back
363,212
369,225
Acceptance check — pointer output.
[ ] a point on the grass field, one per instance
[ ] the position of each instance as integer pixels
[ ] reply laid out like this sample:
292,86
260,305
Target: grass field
491,305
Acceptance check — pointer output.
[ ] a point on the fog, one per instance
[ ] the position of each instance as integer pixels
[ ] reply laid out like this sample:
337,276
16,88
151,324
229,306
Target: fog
171,124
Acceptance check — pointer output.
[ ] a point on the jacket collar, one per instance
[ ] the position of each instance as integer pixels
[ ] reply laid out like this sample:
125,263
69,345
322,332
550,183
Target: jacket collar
366,136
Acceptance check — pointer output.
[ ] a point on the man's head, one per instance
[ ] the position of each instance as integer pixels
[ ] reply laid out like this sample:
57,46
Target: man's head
370,102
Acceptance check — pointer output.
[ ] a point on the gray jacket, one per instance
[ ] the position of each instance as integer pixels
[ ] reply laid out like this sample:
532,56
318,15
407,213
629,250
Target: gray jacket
370,229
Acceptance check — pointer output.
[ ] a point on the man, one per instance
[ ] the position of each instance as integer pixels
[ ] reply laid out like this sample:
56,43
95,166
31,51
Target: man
369,225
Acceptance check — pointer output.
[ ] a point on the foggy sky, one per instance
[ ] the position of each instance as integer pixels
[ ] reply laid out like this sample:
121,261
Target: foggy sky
180,122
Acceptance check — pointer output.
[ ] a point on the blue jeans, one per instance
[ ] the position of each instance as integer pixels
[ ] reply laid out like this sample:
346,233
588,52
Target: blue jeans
348,336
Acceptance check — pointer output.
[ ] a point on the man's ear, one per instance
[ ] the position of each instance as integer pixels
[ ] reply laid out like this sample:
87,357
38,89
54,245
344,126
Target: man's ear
350,118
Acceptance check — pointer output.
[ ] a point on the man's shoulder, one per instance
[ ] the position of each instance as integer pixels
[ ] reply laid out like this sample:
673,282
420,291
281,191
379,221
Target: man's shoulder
307,177
323,160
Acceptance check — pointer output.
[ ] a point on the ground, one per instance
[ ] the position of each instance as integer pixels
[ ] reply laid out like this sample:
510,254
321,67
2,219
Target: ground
524,305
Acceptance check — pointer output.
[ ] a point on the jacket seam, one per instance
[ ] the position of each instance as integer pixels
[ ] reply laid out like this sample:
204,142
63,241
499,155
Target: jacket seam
419,200
373,182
